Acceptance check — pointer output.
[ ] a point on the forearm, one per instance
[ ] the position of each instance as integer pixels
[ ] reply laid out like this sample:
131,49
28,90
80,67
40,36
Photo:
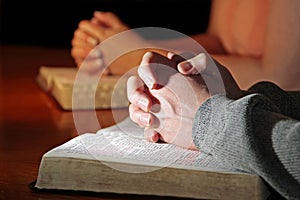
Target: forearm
130,61
250,70
248,134
245,70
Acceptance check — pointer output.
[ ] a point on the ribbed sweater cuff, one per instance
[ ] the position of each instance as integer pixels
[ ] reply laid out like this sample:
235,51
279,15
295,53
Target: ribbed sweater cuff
209,122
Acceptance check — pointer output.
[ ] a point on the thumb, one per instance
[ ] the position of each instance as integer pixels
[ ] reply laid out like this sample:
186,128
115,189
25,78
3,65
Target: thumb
195,65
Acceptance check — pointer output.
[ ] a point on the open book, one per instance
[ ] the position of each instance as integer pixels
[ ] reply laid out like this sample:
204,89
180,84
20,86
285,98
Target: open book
118,159
90,92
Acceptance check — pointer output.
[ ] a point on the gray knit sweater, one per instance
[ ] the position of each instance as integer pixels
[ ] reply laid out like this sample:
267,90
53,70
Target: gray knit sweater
258,133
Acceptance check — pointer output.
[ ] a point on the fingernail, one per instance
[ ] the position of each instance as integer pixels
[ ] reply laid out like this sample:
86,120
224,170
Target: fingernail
96,53
170,55
92,41
149,82
145,119
154,137
143,103
186,66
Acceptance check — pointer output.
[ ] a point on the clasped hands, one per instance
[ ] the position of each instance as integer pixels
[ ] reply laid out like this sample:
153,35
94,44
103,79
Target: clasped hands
167,92
90,51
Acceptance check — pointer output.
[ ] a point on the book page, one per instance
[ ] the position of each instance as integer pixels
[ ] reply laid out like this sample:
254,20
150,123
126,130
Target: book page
124,143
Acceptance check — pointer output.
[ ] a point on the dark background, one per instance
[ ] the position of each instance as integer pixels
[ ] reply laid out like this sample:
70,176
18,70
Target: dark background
52,23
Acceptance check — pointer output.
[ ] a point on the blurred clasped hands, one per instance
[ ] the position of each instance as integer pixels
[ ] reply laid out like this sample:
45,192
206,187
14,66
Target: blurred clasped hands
85,50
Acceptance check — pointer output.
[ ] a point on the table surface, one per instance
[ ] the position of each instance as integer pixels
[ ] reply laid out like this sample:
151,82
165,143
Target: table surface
31,122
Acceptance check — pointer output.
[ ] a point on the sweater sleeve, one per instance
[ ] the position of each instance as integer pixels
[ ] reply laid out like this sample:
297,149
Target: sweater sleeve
251,134
288,103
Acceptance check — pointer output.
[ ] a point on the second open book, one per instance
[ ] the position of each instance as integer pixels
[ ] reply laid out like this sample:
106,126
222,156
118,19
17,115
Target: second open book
88,93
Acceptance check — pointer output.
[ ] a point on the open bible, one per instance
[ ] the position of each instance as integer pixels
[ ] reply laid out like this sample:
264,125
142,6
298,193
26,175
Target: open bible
61,84
118,159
